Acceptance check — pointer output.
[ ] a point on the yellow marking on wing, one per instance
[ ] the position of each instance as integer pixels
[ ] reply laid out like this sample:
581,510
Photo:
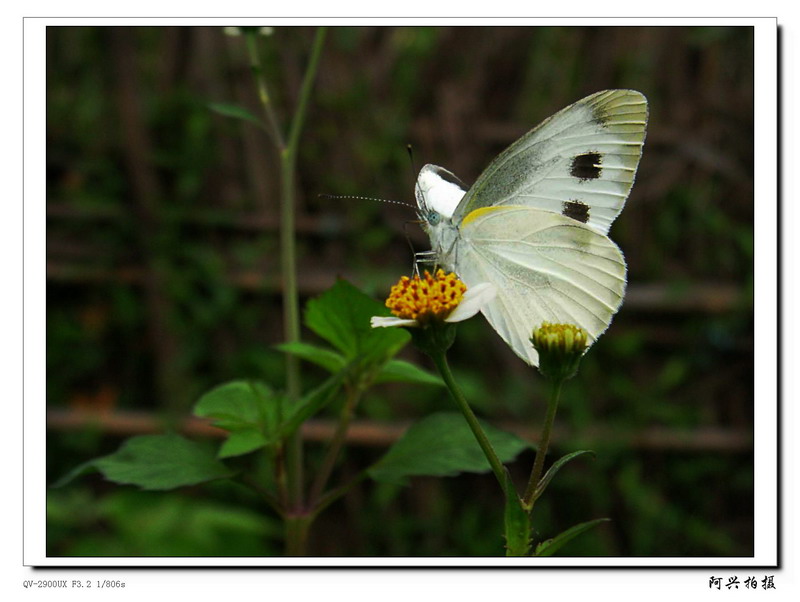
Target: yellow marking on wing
473,215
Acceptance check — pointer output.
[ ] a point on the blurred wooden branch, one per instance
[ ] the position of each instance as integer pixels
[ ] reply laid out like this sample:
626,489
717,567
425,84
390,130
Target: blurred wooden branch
370,433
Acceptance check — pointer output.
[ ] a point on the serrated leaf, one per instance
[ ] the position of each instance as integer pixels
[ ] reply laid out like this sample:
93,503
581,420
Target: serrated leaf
442,445
161,462
325,358
235,111
551,546
548,476
402,371
341,316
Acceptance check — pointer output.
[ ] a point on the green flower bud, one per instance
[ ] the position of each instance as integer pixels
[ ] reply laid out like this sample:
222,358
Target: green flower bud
560,348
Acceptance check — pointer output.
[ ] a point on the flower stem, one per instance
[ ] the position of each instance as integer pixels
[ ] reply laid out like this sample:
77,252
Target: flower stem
440,359
353,395
544,442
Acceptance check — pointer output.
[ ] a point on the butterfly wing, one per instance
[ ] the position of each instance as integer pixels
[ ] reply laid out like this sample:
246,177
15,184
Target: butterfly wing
581,162
546,267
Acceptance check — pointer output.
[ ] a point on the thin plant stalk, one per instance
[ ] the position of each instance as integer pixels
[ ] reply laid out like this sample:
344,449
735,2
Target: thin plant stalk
544,443
336,444
273,128
440,359
297,522
288,245
334,494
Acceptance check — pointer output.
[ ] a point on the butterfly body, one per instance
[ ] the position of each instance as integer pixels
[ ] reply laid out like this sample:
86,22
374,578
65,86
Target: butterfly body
535,222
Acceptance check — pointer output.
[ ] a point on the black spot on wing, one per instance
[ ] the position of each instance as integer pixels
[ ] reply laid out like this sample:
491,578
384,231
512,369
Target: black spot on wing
586,166
600,116
576,210
449,176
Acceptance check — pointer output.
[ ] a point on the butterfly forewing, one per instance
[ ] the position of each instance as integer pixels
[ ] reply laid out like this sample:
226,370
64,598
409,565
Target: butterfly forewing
580,163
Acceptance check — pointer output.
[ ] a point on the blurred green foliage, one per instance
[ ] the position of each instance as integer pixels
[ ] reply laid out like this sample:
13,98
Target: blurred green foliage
163,276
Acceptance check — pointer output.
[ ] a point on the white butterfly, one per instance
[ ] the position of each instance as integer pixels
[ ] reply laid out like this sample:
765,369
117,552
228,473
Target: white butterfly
535,222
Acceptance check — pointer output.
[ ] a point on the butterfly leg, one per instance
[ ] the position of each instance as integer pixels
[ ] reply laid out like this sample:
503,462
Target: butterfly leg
424,257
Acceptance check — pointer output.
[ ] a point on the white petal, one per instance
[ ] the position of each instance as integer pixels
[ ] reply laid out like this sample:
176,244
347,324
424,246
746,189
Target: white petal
474,299
390,322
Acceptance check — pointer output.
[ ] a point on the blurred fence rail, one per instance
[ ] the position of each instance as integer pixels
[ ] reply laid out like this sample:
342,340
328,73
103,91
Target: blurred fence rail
658,296
70,260
372,433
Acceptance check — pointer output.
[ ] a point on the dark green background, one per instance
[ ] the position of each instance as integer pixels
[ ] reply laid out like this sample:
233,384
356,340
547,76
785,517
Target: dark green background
163,276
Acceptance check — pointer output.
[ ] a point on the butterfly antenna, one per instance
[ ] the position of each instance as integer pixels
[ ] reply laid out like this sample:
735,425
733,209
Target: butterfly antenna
366,198
414,170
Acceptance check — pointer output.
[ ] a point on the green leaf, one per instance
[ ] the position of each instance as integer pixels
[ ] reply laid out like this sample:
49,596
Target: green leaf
310,404
517,522
325,358
442,445
235,111
242,442
249,410
239,403
85,468
341,316
402,371
548,476
160,462
551,546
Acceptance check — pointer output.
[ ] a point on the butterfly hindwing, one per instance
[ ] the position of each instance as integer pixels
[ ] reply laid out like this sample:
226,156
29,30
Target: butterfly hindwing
580,163
546,267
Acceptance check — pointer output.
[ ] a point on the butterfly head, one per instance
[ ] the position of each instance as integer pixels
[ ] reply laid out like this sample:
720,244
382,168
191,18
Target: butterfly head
438,193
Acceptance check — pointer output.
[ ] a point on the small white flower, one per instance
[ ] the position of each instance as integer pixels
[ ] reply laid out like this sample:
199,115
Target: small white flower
474,299
390,322
419,301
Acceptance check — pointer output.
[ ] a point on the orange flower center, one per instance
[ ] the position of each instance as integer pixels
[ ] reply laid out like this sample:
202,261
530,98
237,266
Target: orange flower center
426,298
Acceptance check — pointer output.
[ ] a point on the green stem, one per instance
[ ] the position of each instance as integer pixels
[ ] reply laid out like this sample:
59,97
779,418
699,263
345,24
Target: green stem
544,442
298,523
440,359
305,90
273,128
297,528
353,395
334,494
291,325
268,496
294,451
